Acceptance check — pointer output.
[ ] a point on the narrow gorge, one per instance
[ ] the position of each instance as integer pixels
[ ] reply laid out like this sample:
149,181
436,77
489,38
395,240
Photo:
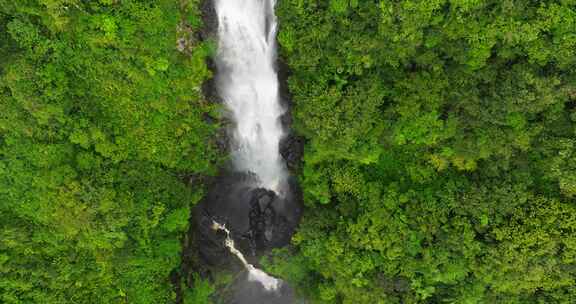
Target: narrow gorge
254,205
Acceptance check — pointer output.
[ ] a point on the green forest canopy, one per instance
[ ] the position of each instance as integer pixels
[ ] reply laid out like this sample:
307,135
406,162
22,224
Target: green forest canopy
100,118
439,166
441,150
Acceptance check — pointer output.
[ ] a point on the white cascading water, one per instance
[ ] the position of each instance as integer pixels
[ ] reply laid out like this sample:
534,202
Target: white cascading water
248,84
254,274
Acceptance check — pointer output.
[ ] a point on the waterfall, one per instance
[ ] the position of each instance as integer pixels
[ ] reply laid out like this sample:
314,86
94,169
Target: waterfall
248,84
254,274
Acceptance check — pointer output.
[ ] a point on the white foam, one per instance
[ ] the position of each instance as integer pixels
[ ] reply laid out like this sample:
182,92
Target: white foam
270,283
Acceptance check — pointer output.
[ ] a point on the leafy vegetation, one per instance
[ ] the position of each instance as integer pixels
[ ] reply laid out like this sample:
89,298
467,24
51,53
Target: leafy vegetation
439,164
200,293
100,119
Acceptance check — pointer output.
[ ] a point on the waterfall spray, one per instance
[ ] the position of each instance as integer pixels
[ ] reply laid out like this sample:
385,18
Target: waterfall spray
248,84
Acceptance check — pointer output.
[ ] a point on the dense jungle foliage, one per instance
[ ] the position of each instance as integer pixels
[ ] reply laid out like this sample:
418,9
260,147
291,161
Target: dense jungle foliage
101,117
440,150
439,167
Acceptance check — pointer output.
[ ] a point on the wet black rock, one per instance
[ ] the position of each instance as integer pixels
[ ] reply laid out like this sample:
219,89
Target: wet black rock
206,33
258,219
292,145
209,19
292,150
